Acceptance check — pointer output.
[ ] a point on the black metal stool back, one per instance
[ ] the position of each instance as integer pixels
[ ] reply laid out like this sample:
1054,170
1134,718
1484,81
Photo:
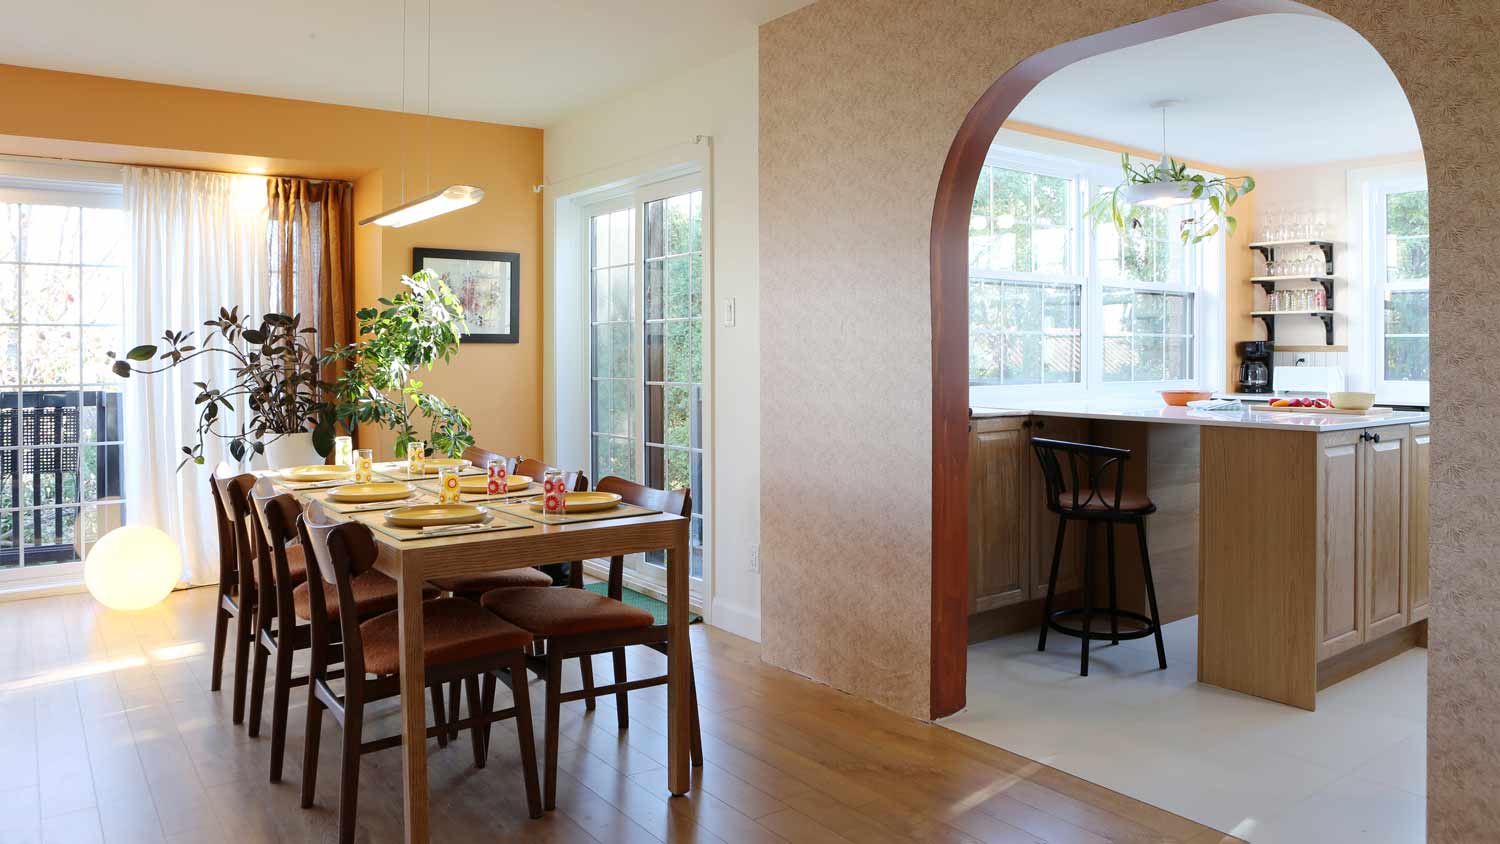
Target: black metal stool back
1078,487
1074,487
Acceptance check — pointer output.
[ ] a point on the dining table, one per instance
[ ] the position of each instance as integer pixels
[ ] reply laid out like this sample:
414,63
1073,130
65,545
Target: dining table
414,561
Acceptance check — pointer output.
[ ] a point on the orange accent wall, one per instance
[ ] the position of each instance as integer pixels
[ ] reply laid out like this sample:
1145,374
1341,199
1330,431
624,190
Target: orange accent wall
95,118
1239,264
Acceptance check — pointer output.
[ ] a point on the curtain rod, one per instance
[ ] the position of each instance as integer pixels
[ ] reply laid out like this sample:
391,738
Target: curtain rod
697,140
116,164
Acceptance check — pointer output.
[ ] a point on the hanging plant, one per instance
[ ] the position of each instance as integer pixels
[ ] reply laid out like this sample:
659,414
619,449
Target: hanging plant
1168,182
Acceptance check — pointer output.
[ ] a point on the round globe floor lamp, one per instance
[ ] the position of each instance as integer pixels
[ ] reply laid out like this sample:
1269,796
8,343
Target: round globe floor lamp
132,567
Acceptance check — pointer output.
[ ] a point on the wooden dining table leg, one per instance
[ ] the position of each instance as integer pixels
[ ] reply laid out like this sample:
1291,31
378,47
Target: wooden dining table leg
679,662
413,703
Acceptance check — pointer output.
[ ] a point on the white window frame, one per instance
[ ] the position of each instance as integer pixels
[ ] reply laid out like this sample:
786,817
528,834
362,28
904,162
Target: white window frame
640,575
1202,278
71,184
1368,189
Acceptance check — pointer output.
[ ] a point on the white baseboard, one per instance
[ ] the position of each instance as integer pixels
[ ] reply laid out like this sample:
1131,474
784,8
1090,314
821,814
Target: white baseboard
41,587
736,619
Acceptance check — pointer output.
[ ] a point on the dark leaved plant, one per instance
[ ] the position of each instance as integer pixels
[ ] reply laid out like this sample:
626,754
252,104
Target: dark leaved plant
275,371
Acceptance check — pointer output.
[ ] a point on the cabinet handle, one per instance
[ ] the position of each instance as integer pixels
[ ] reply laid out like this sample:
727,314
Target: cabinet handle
1039,425
1025,423
1375,438
1369,437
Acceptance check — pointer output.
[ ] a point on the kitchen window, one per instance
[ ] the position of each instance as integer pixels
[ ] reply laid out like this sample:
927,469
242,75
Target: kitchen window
62,289
1399,271
1055,300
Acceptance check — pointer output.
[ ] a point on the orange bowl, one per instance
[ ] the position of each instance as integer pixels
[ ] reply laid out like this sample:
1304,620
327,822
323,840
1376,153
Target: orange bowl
1180,398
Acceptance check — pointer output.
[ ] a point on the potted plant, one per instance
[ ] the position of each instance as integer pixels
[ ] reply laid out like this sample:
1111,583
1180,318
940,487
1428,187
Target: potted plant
275,371
414,329
1168,182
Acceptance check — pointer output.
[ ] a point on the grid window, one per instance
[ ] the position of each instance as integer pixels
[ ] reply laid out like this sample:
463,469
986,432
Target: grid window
61,306
1405,295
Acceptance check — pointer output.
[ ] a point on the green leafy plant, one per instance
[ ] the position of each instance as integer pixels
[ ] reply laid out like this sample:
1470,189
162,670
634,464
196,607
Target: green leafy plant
417,328
275,371
1220,194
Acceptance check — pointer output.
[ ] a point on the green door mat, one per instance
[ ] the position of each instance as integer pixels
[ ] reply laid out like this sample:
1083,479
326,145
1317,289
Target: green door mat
633,598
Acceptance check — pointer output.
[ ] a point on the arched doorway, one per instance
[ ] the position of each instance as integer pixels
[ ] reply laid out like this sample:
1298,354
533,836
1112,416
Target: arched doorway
949,262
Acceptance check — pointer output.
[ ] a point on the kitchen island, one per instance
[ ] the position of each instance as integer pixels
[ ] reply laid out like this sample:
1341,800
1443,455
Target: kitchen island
1299,539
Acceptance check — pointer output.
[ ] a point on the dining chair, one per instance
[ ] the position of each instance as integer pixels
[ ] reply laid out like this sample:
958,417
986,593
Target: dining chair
232,493
481,458
236,594
279,635
579,623
461,641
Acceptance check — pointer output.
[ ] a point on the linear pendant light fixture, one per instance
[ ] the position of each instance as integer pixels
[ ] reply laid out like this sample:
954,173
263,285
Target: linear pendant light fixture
435,203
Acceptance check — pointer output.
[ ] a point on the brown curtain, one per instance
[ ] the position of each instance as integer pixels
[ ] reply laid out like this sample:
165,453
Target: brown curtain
312,255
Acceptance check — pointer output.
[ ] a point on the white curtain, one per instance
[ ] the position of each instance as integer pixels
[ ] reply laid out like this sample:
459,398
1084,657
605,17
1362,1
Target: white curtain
197,243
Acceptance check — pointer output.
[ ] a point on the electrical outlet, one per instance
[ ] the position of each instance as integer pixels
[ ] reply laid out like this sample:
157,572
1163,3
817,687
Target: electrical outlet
755,559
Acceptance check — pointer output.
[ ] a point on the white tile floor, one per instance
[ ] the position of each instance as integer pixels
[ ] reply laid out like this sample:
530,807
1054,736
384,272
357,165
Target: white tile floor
1354,771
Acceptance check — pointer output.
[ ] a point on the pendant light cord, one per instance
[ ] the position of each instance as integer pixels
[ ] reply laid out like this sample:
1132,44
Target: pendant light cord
401,127
429,98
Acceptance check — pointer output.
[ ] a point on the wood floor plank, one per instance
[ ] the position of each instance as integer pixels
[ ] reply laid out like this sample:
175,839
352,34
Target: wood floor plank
111,735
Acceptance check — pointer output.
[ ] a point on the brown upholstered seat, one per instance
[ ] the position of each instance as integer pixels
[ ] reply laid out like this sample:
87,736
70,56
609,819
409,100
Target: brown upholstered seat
374,593
454,630
563,612
475,585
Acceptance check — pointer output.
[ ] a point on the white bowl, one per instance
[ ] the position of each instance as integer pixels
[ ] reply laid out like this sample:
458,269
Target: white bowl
1352,401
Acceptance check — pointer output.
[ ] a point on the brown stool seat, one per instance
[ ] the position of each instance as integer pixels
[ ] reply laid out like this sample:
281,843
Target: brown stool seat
475,585
454,630
1132,501
563,611
296,565
374,593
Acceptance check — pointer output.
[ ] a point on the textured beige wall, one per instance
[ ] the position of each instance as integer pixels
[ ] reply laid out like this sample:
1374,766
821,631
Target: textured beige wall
860,100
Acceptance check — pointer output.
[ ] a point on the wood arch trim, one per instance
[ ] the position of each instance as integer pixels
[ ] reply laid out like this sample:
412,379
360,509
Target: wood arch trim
950,313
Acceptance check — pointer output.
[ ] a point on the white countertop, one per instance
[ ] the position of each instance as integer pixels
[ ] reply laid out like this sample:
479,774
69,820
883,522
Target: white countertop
1152,410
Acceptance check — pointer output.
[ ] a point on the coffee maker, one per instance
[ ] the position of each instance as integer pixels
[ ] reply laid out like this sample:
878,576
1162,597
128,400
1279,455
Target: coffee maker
1255,366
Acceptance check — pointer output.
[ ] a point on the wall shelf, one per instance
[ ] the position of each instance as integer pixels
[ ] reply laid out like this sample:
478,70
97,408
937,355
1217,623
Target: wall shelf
1311,348
1269,317
1272,279
1267,249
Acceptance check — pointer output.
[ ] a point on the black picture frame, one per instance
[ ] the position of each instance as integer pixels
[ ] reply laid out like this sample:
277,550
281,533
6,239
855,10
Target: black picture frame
446,262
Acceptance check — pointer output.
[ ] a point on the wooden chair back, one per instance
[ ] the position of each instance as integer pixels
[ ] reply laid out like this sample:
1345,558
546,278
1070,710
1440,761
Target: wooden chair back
536,470
483,457
234,495
276,515
229,574
677,502
338,551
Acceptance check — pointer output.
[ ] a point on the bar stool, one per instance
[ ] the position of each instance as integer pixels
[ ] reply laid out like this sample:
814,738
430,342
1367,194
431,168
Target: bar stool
1081,494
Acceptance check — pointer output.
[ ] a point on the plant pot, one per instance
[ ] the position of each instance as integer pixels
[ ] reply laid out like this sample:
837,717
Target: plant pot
288,450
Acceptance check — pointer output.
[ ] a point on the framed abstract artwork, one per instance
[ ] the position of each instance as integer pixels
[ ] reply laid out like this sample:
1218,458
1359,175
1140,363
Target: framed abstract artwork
487,283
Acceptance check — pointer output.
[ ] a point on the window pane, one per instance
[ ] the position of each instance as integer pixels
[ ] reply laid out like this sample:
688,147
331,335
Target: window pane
49,355
1064,360
684,351
1150,358
1117,358
10,232
612,352
97,342
614,456
985,348
10,357
614,406
619,238
1406,359
103,292
599,241
49,294
1406,312
10,292
49,234
679,470
1406,213
679,425
1406,258
1148,336
1024,333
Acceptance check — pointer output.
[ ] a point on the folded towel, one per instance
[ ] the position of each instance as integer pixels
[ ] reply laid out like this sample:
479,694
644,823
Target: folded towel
1217,404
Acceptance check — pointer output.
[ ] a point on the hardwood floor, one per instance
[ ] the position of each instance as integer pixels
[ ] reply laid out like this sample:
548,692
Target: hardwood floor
108,733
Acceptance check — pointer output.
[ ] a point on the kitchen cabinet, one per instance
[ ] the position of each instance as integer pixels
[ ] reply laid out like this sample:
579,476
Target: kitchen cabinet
1365,493
1043,523
1418,526
999,545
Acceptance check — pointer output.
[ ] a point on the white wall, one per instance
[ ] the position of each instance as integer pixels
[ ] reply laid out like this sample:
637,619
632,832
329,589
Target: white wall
635,134
1325,188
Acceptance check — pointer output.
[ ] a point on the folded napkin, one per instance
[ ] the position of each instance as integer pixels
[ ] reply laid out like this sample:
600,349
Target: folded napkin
444,530
1216,404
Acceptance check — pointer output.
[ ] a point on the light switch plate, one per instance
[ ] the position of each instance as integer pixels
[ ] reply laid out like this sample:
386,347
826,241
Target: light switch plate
729,312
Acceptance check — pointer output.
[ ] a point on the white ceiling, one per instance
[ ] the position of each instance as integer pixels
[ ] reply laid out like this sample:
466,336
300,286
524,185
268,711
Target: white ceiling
521,62
1263,92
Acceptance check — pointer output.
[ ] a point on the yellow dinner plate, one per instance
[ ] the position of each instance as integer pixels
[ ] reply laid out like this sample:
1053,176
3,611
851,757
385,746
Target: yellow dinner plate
364,493
480,484
308,474
427,515
584,502
432,465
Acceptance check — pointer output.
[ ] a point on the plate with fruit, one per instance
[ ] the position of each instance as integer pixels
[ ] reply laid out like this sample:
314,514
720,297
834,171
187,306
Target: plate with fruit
1319,405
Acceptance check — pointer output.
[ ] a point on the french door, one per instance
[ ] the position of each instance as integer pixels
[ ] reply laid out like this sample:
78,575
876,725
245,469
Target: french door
646,292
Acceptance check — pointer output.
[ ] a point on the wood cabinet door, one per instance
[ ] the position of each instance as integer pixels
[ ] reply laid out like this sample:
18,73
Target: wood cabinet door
1387,473
1044,523
1418,525
1340,533
998,537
